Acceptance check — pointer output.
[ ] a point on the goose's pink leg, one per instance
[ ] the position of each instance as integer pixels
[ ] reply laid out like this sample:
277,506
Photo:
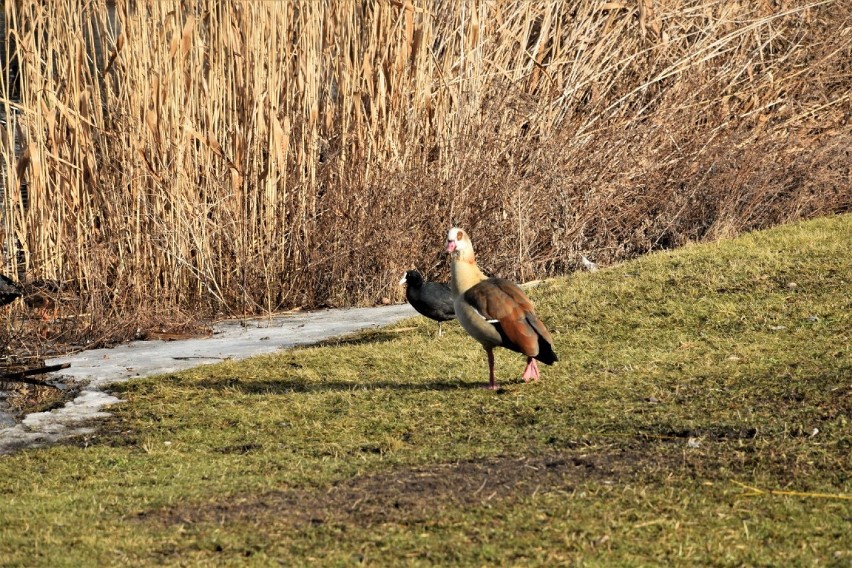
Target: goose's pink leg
531,370
492,383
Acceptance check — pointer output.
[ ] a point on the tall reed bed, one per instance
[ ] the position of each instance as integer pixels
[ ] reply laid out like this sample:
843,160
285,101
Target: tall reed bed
193,159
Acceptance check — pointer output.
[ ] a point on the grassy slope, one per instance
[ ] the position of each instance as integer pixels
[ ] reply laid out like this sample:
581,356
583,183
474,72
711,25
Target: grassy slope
682,375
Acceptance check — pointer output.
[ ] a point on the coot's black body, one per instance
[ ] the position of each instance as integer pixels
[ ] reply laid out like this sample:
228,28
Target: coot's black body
432,299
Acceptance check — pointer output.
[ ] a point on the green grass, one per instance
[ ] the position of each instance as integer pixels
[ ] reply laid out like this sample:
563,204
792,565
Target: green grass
685,379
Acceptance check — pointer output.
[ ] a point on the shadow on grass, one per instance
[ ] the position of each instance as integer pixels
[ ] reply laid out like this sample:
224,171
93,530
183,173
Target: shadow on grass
369,337
289,386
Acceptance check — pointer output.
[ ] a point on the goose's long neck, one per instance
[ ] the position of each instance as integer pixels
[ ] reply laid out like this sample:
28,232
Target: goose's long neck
464,273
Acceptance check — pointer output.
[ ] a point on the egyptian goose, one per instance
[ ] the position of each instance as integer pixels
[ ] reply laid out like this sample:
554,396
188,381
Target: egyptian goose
495,311
432,299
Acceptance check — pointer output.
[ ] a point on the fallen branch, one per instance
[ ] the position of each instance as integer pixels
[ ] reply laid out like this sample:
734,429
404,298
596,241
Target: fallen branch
22,376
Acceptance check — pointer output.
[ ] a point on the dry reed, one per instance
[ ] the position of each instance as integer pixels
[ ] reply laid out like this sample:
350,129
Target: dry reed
189,160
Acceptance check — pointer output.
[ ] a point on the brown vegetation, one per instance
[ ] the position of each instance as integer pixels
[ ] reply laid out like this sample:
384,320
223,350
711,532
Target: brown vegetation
190,160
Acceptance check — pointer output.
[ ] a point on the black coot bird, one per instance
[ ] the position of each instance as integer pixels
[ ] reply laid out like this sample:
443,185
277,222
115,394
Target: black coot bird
432,299
9,290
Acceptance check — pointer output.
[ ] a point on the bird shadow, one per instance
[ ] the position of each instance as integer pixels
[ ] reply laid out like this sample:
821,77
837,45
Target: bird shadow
363,338
291,386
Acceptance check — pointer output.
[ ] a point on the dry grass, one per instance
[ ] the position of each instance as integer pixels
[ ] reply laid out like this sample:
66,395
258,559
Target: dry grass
187,160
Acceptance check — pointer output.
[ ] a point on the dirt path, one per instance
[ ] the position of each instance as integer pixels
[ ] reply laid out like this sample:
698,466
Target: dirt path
98,368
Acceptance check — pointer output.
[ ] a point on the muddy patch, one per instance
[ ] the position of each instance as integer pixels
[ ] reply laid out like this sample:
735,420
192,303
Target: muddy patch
18,399
407,495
